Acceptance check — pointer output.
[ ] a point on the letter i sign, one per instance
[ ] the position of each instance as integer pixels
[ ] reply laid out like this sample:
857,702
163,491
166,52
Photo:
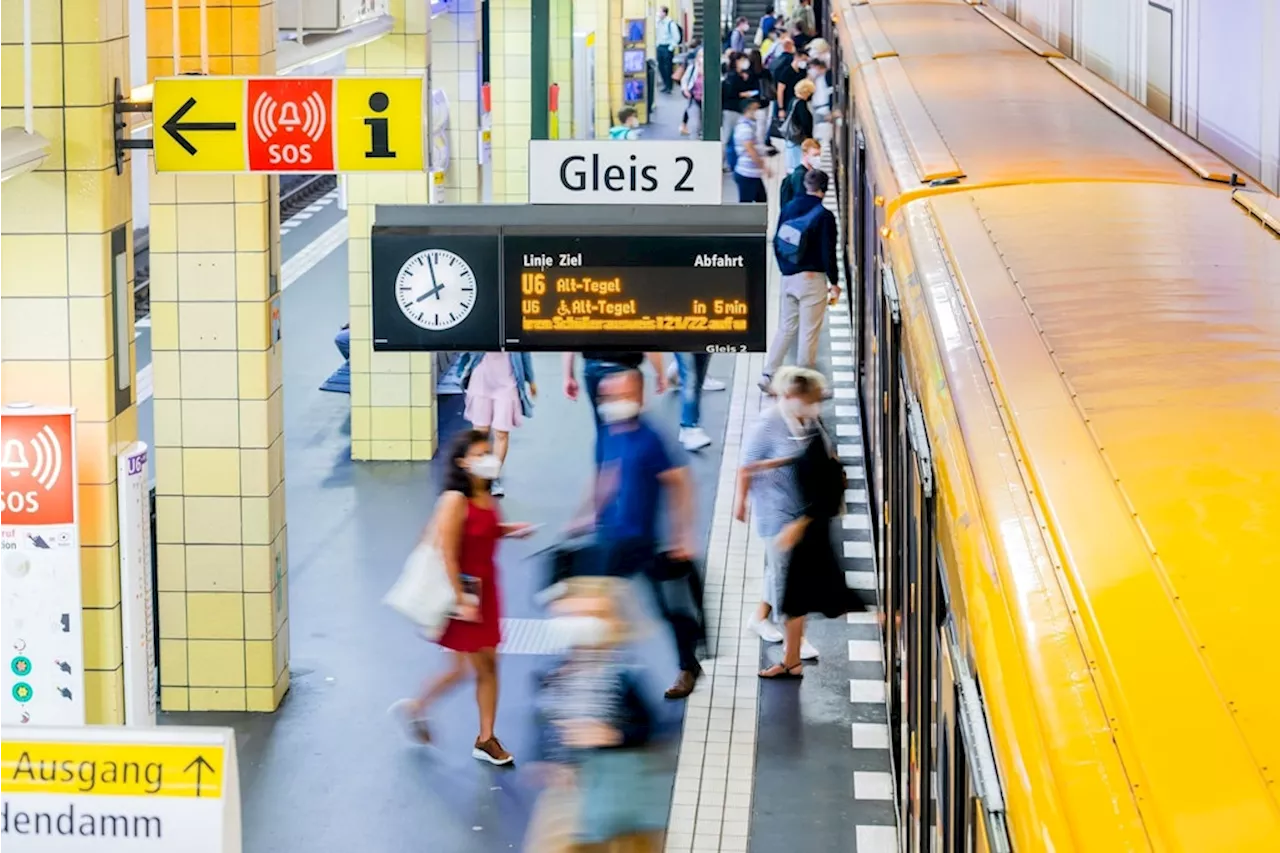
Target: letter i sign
291,125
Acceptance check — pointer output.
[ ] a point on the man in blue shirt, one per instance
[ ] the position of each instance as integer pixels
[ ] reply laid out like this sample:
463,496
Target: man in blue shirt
637,474
667,36
809,284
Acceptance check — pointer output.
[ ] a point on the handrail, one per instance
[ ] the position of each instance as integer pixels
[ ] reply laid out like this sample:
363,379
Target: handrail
1264,208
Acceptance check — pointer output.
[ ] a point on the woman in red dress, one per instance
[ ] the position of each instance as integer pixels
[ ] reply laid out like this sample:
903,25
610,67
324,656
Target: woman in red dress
467,527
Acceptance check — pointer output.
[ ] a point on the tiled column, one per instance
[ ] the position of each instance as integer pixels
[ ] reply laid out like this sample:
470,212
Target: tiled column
562,62
510,32
61,316
455,69
393,395
216,353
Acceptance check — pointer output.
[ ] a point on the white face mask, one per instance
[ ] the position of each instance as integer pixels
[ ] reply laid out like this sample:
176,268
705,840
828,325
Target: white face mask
815,73
486,467
811,161
617,411
744,66
579,631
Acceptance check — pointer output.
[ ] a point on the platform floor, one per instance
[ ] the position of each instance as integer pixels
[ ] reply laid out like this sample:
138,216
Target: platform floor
764,767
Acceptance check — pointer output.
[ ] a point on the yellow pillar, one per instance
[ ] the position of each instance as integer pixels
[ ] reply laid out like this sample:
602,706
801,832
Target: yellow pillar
561,50
61,315
455,69
510,35
222,561
393,395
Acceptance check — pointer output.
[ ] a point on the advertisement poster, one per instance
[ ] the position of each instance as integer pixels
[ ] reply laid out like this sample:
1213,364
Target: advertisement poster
40,565
137,614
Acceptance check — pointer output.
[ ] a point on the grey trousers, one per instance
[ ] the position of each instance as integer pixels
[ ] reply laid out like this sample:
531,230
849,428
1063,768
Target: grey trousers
804,307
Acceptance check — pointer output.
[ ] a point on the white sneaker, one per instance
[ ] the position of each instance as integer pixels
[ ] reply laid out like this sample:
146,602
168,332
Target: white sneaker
673,375
694,438
767,631
497,489
807,651
709,384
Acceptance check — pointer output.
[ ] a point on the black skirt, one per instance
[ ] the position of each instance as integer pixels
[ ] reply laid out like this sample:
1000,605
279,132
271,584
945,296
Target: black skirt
814,579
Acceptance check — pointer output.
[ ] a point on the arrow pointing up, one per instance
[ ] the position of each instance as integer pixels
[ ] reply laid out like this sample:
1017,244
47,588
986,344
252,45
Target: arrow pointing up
175,126
200,766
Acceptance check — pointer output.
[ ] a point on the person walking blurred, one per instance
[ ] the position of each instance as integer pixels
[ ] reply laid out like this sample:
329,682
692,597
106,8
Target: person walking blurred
500,390
749,165
466,527
595,729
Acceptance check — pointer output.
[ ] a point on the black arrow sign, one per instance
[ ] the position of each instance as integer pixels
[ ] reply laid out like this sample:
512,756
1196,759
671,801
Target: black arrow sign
175,126
200,765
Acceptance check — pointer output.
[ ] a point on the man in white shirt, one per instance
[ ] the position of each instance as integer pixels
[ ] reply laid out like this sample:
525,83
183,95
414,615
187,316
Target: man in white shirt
668,39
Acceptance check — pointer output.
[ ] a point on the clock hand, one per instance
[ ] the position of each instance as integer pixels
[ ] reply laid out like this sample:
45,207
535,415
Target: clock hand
432,292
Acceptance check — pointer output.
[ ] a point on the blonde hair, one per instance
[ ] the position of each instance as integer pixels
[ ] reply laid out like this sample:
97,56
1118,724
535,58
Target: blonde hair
818,46
805,89
795,381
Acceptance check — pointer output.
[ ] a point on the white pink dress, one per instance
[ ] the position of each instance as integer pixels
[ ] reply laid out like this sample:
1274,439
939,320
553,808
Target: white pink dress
493,400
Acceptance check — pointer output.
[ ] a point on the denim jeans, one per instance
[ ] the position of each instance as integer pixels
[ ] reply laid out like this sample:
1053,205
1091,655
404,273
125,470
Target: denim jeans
793,156
693,370
750,189
593,373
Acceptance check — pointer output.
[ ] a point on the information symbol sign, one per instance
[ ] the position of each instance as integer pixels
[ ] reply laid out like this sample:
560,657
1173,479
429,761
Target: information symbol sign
290,125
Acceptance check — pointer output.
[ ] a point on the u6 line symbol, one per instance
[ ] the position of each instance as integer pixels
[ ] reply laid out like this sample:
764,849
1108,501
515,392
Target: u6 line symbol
300,123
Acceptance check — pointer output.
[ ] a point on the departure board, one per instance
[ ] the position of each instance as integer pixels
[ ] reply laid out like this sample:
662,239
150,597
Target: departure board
668,293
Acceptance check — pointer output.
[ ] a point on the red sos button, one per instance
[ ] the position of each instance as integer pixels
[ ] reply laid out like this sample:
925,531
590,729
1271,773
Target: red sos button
291,125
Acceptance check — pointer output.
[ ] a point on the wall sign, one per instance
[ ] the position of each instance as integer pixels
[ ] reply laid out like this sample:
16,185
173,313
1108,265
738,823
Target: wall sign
612,172
568,278
113,788
43,643
137,616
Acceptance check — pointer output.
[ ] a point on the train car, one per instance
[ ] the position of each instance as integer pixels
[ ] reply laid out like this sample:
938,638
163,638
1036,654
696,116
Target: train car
1068,318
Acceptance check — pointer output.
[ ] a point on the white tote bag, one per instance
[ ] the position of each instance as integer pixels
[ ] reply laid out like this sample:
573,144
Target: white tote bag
423,591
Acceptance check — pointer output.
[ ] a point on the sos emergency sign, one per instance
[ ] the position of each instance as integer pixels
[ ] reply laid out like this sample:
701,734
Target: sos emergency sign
289,124
43,646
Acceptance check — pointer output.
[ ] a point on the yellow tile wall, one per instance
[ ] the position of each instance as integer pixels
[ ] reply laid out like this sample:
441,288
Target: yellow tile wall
216,353
562,63
58,347
393,414
455,68
510,40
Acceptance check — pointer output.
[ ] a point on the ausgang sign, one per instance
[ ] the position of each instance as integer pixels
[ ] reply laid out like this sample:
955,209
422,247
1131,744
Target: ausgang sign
634,172
104,788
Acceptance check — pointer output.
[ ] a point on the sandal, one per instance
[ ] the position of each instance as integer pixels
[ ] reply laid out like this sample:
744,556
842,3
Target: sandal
781,670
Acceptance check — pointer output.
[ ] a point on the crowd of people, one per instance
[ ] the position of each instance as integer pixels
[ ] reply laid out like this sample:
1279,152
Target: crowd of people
594,720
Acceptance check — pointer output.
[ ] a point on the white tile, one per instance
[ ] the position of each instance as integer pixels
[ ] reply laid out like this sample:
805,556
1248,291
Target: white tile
854,472
842,346
866,691
845,377
844,393
839,331
848,429
859,549
849,452
864,650
855,496
847,411
856,521
870,735
842,361
876,839
872,785
865,617
860,580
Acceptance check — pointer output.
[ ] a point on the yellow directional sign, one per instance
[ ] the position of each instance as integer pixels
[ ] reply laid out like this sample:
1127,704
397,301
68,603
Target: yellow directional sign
275,125
112,769
379,125
199,124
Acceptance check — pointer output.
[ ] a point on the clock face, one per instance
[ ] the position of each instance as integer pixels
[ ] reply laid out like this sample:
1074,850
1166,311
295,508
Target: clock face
436,289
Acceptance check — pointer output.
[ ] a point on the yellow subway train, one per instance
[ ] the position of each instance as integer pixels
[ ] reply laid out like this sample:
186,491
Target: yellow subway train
1068,319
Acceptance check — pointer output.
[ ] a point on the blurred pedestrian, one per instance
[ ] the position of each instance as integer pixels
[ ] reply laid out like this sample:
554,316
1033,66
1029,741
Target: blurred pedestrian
596,366
638,474
769,487
500,390
595,726
466,527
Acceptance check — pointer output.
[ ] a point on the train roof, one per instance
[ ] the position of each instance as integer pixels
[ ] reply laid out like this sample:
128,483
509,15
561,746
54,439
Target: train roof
960,94
1132,339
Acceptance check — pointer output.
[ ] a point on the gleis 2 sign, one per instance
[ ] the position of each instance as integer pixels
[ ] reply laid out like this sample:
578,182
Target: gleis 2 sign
633,172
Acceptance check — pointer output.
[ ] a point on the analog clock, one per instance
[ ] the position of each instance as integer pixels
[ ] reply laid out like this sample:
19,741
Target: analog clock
436,289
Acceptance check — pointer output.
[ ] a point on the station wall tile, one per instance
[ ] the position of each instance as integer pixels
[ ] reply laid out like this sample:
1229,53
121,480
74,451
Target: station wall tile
102,639
100,576
214,616
217,698
104,695
173,665
213,567
171,568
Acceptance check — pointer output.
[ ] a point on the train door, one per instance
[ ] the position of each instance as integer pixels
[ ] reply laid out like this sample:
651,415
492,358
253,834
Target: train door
890,507
921,604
